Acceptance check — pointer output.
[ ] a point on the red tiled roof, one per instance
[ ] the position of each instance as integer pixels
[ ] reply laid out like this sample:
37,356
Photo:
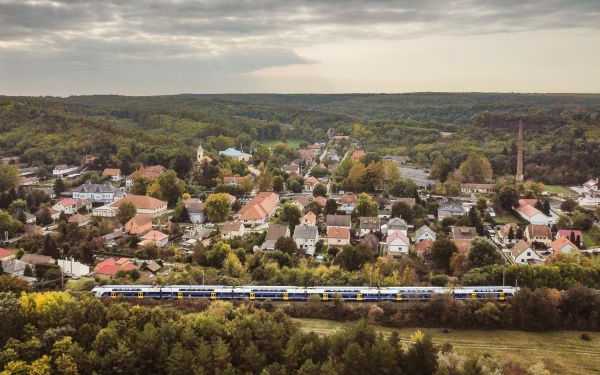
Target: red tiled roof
67,202
528,210
527,202
567,233
338,233
536,230
111,266
322,201
260,207
561,242
348,198
154,235
5,252
111,172
140,202
425,244
395,235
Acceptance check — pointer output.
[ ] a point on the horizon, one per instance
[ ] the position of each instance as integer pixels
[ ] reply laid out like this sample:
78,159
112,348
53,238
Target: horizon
149,47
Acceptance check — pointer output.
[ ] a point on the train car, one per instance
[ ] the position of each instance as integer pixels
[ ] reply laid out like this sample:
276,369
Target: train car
276,293
136,291
345,293
197,291
409,293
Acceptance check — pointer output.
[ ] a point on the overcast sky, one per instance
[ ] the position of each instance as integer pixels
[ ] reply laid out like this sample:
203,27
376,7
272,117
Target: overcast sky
146,47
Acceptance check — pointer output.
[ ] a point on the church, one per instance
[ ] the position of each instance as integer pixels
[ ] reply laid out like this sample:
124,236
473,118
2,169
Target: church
200,158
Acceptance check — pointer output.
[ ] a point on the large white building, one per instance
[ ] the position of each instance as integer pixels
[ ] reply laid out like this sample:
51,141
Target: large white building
96,193
142,203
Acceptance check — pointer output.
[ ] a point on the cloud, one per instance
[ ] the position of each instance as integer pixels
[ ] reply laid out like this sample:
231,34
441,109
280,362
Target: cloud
63,37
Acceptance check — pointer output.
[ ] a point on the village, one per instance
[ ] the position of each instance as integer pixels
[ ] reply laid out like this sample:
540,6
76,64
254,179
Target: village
303,211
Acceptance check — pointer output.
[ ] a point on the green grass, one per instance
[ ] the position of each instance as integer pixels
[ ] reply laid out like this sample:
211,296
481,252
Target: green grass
291,143
560,190
563,352
77,285
588,240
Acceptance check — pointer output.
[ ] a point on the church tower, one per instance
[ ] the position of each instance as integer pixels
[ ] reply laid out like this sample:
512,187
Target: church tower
519,175
199,153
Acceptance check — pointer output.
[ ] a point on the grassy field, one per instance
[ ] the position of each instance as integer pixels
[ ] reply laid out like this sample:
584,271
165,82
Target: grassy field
560,190
562,352
291,143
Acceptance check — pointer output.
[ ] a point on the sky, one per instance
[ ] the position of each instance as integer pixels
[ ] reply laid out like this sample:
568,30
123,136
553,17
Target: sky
150,47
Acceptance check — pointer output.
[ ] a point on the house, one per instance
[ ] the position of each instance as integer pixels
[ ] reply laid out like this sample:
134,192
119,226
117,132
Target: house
148,172
95,193
301,200
347,203
340,138
14,267
533,215
139,224
73,268
274,232
236,180
35,259
339,221
564,246
384,214
80,220
113,173
396,244
476,188
305,237
260,209
575,236
233,153
504,233
308,219
338,236
232,229
409,201
368,224
463,237
450,209
292,169
111,238
538,233
154,237
67,205
357,154
591,187
424,233
397,224
62,170
6,254
152,267
522,253
195,208
142,203
423,249
29,217
310,183
110,267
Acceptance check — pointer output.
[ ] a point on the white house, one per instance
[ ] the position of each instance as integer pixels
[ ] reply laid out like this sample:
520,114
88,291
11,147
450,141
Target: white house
368,225
195,208
425,233
337,236
113,173
155,237
533,215
62,170
67,205
142,203
591,187
310,183
522,253
347,203
397,224
233,153
71,267
232,229
563,245
397,244
96,193
306,237
274,232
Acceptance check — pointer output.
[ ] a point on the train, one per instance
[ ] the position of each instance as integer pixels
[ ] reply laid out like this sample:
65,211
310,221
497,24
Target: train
303,294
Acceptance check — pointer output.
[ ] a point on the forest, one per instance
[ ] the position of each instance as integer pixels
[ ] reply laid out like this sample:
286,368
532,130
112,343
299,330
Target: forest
562,132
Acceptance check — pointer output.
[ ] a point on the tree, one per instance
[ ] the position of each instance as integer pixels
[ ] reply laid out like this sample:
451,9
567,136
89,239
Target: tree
167,187
476,169
440,169
365,205
125,212
291,214
294,185
287,245
331,207
320,190
140,185
582,221
475,220
217,207
441,252
9,177
59,186
568,205
508,197
265,181
402,210
278,184
180,214
564,222
356,178
484,253
353,258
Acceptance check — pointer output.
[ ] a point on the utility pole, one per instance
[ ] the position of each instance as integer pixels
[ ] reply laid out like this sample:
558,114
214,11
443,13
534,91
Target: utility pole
503,276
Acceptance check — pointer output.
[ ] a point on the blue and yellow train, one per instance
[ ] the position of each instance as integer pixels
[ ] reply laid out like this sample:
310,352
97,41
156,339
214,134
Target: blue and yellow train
294,293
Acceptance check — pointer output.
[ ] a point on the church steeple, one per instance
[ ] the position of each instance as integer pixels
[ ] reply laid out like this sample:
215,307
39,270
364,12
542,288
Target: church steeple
199,153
